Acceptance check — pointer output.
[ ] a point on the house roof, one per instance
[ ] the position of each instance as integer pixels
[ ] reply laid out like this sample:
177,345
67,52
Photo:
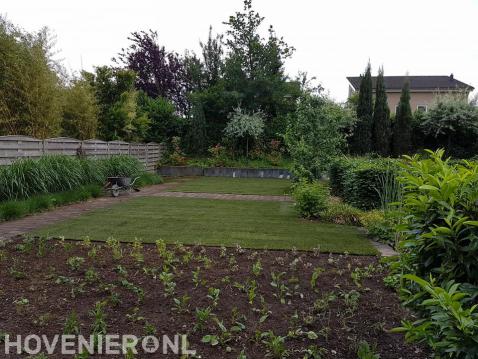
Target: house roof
419,83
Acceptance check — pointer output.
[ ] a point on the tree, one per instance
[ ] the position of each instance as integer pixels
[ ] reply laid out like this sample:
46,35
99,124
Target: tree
80,110
159,72
30,83
452,124
212,52
254,69
402,128
113,89
164,122
315,135
361,141
197,134
244,127
381,118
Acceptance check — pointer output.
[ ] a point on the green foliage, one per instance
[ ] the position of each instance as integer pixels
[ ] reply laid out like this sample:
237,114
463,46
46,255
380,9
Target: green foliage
402,128
440,228
452,123
361,141
441,216
449,325
30,91
379,225
244,127
14,209
364,351
163,122
342,213
315,136
359,181
381,127
49,174
80,110
311,199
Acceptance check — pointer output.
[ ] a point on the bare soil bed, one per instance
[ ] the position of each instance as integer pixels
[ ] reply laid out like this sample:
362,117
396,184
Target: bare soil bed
227,301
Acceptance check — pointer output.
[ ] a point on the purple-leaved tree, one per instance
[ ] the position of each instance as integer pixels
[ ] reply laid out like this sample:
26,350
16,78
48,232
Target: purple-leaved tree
159,72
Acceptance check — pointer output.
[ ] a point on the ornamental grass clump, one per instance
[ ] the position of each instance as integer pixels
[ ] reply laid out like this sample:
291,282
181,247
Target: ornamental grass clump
59,173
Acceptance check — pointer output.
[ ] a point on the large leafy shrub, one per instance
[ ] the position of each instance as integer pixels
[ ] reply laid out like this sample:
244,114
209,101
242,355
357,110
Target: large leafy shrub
440,229
311,198
50,174
441,212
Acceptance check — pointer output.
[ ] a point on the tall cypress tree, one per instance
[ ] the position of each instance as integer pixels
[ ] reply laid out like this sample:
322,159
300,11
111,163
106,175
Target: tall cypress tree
381,119
402,129
361,142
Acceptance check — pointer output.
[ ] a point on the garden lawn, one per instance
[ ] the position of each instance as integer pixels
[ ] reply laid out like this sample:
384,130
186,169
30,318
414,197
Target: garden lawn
251,224
264,186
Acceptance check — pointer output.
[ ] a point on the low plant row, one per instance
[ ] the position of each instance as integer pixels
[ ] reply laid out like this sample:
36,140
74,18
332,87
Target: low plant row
20,208
230,302
51,174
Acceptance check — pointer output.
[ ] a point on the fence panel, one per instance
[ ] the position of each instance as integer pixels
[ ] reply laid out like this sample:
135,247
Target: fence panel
95,148
15,147
61,146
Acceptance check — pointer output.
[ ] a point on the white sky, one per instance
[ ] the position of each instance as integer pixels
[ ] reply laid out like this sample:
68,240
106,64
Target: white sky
333,38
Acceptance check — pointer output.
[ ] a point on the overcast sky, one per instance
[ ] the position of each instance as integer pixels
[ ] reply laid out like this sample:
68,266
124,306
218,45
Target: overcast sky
333,38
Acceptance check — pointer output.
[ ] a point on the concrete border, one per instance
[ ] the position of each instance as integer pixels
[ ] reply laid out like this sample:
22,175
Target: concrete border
234,172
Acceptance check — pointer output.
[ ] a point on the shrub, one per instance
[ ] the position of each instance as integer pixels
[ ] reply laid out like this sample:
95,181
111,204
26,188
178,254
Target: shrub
379,225
342,213
440,226
311,198
360,181
449,324
441,217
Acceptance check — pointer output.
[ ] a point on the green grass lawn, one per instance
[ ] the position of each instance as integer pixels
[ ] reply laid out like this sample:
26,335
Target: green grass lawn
258,224
264,186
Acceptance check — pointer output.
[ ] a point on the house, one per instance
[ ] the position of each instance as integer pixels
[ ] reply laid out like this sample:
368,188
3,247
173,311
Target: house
423,89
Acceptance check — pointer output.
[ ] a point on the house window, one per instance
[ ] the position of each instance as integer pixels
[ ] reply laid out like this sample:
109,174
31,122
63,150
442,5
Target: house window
396,109
422,108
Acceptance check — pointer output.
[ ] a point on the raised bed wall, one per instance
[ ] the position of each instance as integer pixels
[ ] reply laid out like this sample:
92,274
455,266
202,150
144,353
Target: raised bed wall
187,171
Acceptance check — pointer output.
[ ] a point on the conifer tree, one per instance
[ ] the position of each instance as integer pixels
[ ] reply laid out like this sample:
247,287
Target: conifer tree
362,135
402,129
381,119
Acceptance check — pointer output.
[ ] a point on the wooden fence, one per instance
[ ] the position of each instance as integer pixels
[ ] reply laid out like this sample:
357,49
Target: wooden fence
15,147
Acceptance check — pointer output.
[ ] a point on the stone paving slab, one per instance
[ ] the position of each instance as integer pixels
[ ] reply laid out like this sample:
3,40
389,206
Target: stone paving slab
224,196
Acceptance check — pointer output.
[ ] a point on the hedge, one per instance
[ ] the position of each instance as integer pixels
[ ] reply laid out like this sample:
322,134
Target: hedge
357,180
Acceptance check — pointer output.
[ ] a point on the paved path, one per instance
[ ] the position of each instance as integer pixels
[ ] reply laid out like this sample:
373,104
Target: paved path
239,197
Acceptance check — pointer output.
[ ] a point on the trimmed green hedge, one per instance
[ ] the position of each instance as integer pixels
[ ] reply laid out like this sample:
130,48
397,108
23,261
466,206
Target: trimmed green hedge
357,180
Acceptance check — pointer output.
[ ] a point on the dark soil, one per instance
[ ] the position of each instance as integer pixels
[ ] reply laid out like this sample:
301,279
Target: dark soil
40,274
